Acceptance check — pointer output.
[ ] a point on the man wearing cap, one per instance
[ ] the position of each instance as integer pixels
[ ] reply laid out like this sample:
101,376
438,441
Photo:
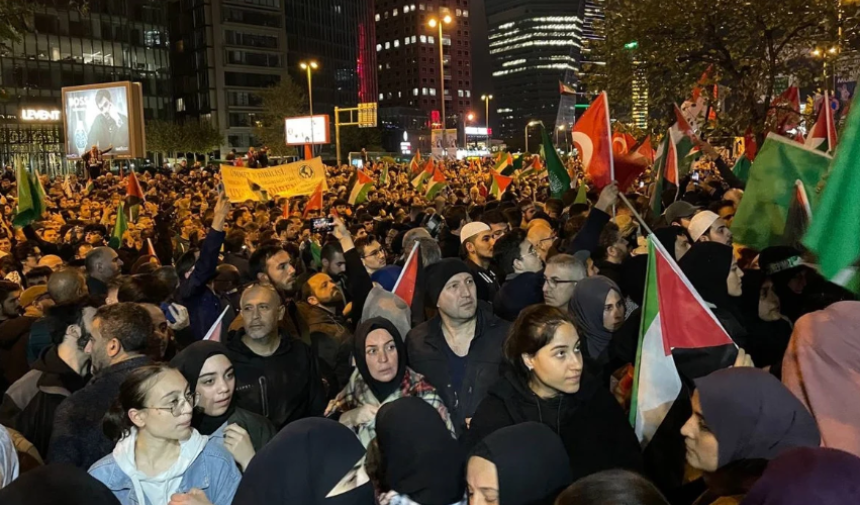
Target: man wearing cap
709,227
459,351
477,243
680,214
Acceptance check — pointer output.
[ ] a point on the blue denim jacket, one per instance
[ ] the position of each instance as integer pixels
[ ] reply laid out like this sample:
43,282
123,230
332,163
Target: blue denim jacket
214,472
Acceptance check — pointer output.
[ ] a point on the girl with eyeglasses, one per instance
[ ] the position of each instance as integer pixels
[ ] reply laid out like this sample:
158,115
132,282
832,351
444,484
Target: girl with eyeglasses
159,456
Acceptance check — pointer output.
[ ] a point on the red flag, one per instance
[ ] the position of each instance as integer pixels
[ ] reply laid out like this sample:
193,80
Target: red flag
406,286
150,247
627,168
622,143
309,152
214,333
683,126
315,202
415,164
786,109
822,135
750,144
646,151
133,191
564,89
592,135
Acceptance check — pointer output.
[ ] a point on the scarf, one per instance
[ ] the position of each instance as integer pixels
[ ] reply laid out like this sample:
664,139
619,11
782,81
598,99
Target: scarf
586,305
190,362
381,390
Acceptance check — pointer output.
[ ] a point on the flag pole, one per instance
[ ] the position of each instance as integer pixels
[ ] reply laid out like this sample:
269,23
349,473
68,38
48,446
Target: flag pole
635,212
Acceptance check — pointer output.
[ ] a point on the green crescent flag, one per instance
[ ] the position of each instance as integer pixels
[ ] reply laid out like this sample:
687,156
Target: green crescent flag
559,180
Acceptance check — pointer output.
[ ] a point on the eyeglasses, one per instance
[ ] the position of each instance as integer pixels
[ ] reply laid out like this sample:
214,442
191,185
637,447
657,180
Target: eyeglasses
553,282
377,252
191,399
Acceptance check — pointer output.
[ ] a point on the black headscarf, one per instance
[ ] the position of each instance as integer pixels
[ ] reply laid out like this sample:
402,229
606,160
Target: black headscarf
57,484
381,390
668,236
531,463
707,265
302,464
422,459
190,362
586,305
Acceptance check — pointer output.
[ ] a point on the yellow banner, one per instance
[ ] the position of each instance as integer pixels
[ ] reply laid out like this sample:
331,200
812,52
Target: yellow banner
292,179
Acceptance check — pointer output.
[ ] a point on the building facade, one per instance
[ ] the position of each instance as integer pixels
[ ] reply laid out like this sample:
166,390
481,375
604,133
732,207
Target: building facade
114,40
407,52
223,52
533,46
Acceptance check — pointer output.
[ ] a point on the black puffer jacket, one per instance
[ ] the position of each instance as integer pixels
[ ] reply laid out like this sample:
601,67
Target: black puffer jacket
426,345
591,424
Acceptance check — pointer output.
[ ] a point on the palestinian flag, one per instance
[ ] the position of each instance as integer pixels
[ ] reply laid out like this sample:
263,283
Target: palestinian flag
742,168
360,187
822,136
133,191
531,167
503,161
410,285
516,167
674,157
90,187
31,201
799,216
436,184
421,178
592,136
500,184
315,202
217,328
675,321
784,111
383,176
415,164
564,89
119,228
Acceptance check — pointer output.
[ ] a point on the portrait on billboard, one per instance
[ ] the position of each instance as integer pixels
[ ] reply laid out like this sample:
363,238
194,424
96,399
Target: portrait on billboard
101,117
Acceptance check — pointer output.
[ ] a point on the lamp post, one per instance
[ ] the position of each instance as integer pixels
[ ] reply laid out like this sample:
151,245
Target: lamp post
308,66
530,124
830,54
486,99
433,23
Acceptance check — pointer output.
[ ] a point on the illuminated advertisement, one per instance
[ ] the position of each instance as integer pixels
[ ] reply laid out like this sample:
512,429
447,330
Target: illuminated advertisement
106,116
306,130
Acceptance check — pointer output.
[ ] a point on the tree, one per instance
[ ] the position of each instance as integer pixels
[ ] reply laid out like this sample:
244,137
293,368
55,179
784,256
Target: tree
201,137
750,46
17,14
283,100
192,136
162,137
353,139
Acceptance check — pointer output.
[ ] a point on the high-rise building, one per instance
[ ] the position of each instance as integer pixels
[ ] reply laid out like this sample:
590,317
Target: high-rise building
593,31
223,52
534,45
114,40
340,36
407,53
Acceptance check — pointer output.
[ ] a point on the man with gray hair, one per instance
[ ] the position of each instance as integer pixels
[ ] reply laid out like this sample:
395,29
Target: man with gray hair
561,274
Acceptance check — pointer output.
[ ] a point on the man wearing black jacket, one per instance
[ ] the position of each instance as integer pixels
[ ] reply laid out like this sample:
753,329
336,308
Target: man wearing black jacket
31,402
460,350
276,374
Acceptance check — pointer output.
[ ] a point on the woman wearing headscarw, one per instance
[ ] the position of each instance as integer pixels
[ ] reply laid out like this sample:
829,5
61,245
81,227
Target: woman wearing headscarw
547,383
312,461
598,310
380,376
415,459
742,418
209,373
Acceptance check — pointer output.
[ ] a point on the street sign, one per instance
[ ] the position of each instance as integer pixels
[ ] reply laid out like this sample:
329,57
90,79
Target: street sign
367,115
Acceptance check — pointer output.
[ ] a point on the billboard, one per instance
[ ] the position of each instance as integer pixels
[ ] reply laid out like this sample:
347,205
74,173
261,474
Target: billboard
306,130
444,142
106,115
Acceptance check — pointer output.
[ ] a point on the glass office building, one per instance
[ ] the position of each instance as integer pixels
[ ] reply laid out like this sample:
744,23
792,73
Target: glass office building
114,40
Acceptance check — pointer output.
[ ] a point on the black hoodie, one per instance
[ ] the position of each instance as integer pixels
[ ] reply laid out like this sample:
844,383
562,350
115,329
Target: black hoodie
30,403
594,429
283,387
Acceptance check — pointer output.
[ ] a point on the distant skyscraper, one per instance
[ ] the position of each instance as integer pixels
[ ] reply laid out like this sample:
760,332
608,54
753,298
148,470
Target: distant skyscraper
340,36
534,45
407,53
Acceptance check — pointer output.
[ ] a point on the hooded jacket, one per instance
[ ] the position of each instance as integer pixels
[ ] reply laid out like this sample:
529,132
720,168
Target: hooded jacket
30,404
201,464
591,424
328,332
283,387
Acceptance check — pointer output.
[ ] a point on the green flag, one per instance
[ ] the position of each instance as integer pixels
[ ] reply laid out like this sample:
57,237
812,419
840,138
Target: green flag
581,194
835,226
762,215
559,180
742,168
119,228
517,166
31,204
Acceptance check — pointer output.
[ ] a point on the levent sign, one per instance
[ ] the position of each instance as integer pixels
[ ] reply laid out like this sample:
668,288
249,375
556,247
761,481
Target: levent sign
40,115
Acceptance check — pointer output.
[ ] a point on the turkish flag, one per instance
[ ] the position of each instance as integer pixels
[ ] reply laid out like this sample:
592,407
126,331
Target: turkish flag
592,135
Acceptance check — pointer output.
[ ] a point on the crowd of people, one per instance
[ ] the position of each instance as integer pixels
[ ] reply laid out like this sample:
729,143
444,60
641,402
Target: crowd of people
241,353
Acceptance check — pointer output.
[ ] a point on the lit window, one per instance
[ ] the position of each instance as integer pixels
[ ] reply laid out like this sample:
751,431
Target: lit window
413,8
394,14
397,43
424,39
459,12
388,45
465,14
460,93
468,94
432,91
381,96
414,39
414,91
399,94
406,41
378,17
421,7
378,47
385,15
424,91
405,9
430,39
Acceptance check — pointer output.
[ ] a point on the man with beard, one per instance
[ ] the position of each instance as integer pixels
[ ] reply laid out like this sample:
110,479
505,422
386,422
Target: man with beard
120,335
321,309
334,264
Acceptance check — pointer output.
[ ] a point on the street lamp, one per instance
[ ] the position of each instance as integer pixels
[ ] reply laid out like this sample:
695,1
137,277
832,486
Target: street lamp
308,66
433,23
486,99
529,125
827,54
